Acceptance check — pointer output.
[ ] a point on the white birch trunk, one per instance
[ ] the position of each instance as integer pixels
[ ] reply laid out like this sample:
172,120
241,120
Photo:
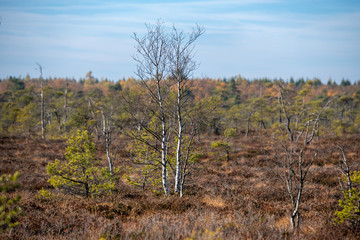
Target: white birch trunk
106,129
42,110
42,104
65,106
107,134
163,142
107,146
179,144
164,159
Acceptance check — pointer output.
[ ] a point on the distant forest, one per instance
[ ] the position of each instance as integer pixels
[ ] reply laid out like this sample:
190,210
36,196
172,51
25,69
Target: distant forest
245,105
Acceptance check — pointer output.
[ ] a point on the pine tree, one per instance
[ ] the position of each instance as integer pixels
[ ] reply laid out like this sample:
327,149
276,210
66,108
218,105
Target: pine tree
80,173
9,209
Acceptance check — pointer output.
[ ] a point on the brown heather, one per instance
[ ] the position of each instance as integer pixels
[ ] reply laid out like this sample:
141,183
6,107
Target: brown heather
243,198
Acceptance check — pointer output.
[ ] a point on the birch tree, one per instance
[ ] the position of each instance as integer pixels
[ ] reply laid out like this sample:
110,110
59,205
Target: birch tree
42,102
165,60
182,65
151,57
103,115
106,129
66,107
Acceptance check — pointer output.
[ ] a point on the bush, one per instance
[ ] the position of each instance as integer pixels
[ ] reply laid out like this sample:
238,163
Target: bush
9,209
350,204
230,132
222,146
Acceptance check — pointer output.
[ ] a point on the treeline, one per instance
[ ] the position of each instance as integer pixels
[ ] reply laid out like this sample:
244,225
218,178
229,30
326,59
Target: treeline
217,104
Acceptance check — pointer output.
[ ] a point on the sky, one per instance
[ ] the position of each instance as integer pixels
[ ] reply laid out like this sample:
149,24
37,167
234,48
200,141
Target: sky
251,38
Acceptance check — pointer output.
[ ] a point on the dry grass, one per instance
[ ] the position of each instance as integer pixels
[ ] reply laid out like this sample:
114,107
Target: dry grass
240,199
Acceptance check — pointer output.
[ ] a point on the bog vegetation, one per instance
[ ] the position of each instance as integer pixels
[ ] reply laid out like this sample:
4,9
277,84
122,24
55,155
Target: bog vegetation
167,156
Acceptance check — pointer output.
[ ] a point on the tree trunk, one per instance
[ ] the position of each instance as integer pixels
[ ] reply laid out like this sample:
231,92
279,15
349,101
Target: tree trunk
87,189
182,185
107,146
179,143
42,104
163,143
164,161
65,106
263,124
42,111
248,124
106,129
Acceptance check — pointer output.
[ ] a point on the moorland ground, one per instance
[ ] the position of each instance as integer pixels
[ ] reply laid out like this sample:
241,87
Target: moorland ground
243,198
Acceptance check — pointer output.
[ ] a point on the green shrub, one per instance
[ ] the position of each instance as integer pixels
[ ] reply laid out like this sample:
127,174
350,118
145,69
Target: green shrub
230,132
45,195
351,203
222,146
9,209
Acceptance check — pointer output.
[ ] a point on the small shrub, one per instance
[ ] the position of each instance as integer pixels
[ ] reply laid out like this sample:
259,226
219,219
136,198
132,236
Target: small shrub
230,132
205,234
350,204
45,195
9,209
222,146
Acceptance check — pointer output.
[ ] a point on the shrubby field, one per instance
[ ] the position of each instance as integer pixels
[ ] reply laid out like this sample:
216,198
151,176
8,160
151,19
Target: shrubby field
249,148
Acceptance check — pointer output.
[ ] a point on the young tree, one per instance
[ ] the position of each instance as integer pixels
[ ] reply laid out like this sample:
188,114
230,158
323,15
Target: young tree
163,59
222,146
66,106
9,209
181,65
350,185
105,109
350,204
80,174
146,173
152,60
295,135
42,101
26,118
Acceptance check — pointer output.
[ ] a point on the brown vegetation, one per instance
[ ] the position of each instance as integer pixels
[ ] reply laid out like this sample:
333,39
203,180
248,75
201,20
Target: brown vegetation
243,198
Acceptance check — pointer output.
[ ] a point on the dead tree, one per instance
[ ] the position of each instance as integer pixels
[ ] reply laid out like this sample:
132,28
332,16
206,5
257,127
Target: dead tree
299,127
66,107
106,130
42,101
345,170
104,125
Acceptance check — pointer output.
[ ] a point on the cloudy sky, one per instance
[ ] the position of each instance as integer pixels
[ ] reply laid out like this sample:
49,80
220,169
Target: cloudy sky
253,38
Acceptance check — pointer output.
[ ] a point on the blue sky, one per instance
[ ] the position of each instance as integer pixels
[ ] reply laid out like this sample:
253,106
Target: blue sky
253,38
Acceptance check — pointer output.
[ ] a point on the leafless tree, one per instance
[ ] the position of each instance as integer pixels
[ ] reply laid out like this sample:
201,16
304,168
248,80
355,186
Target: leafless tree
104,123
300,125
345,169
165,60
66,107
182,65
42,102
152,60
106,129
